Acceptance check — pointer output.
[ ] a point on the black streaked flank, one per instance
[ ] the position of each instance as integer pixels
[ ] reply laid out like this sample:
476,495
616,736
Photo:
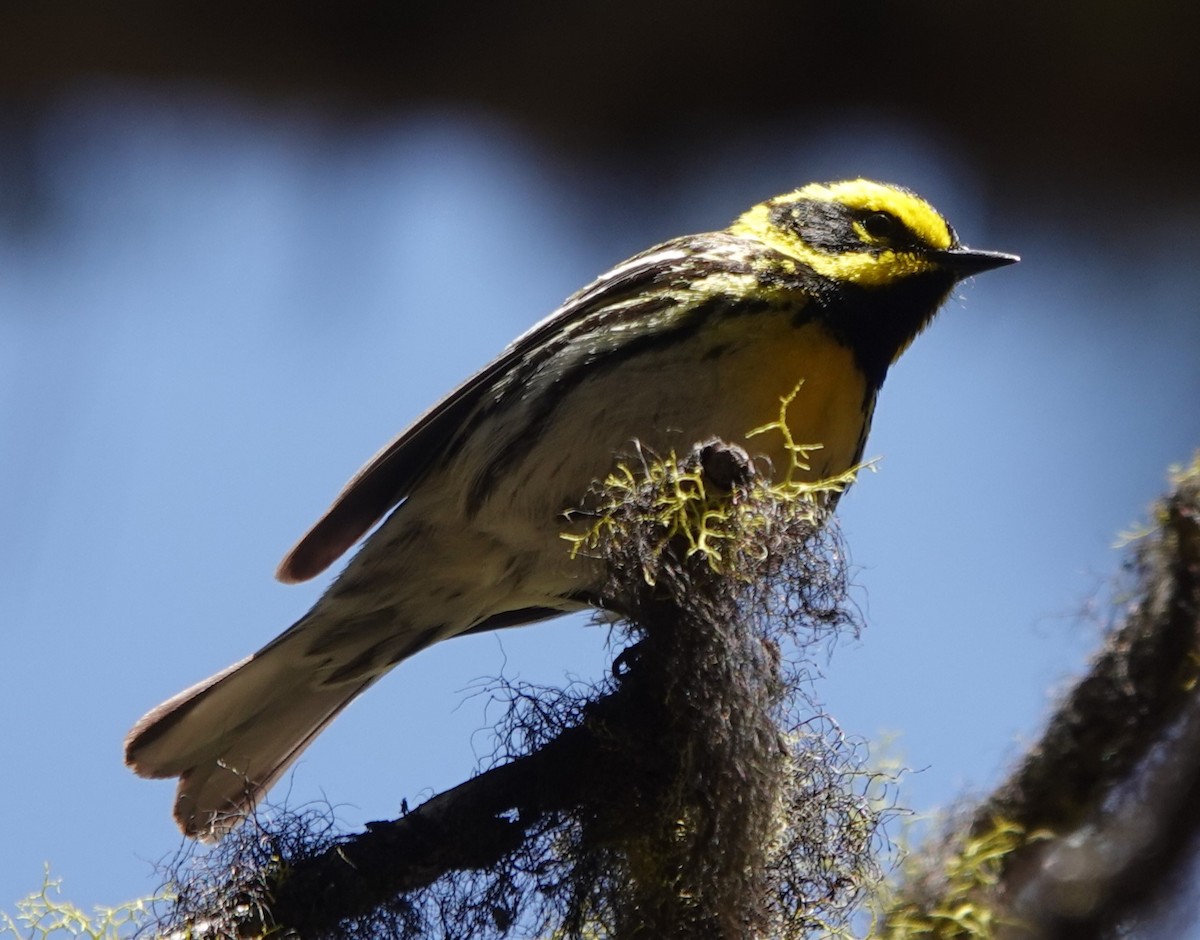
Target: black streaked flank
515,618
691,320
350,630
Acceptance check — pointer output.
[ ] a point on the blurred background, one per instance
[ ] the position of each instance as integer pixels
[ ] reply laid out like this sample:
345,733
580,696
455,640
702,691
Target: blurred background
240,248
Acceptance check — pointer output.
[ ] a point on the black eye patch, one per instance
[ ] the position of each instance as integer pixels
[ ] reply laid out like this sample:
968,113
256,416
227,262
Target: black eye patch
882,226
885,230
834,227
823,225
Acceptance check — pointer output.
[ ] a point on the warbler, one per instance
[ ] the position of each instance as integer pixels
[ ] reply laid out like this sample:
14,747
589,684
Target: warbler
700,337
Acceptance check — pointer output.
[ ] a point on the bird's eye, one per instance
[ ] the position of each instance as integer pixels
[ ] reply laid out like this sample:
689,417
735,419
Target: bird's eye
879,226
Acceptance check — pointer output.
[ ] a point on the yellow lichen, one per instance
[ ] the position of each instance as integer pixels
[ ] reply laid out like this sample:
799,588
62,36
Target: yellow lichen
685,507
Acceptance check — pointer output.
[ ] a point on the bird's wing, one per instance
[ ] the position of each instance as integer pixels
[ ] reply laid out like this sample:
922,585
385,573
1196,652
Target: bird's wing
389,476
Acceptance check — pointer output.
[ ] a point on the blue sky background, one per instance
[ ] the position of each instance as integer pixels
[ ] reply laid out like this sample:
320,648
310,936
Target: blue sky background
210,315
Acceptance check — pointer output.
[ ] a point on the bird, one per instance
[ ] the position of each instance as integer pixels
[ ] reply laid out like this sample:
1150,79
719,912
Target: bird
698,338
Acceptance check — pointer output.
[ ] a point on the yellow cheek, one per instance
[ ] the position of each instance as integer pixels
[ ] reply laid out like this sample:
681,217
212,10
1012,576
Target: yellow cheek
869,269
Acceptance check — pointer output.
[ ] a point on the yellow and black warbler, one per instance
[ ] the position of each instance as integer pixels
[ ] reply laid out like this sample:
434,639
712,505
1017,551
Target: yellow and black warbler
699,337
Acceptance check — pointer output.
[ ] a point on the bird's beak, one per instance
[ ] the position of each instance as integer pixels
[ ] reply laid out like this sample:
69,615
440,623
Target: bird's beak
965,262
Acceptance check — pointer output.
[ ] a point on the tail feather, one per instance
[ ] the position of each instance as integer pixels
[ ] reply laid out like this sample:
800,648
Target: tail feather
230,737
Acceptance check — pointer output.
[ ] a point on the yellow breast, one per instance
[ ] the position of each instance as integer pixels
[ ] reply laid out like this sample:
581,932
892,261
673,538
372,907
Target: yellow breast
830,409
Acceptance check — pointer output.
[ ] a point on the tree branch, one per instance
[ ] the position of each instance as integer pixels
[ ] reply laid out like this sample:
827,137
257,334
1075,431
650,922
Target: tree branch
692,798
1090,826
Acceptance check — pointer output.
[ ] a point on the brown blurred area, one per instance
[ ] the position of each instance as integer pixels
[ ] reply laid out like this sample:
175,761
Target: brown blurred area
1091,94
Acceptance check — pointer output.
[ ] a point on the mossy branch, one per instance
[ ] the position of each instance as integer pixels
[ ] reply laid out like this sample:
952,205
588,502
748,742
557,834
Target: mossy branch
1089,828
696,793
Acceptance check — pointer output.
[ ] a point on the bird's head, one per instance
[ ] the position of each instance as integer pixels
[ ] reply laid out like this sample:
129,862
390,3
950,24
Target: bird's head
860,232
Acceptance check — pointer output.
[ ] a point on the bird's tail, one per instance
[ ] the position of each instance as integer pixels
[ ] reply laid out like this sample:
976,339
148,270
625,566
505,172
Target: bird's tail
230,737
